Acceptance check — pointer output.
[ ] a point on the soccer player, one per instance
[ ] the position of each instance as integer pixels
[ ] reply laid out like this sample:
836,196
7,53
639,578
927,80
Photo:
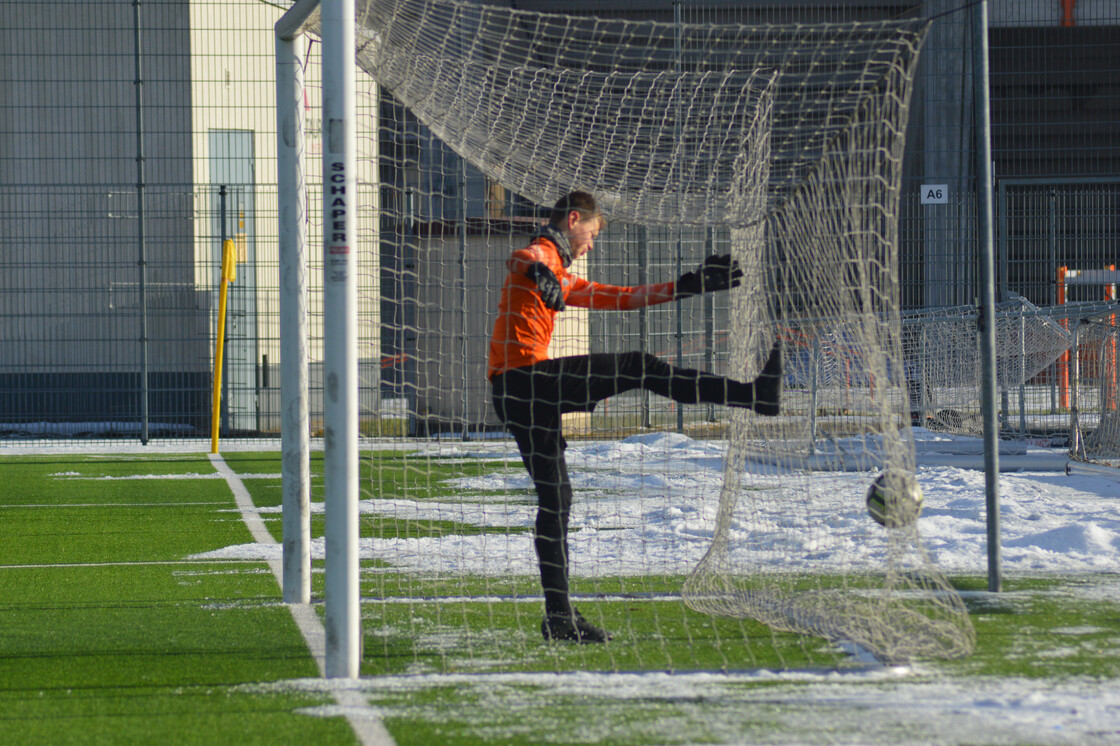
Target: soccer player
532,391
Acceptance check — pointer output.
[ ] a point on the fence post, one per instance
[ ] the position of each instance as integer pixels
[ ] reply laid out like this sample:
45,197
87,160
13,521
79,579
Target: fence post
987,285
141,238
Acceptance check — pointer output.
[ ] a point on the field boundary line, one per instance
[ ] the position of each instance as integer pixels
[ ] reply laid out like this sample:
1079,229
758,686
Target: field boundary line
56,506
130,563
363,718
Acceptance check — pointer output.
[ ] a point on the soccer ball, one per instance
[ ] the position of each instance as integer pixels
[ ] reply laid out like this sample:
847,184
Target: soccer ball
894,499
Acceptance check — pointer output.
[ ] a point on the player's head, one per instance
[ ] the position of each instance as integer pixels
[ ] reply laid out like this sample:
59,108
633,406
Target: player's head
577,215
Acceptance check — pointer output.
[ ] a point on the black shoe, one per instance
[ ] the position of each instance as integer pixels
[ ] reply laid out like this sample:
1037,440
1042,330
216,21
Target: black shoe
571,627
768,385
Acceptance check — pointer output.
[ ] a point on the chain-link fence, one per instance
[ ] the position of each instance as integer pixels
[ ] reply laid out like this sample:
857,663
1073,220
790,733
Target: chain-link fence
134,138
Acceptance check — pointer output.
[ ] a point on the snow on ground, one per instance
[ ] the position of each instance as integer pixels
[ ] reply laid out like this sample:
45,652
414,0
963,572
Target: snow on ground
879,706
647,504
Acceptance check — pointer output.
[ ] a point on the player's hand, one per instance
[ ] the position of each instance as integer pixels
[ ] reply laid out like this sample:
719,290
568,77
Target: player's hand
552,294
714,273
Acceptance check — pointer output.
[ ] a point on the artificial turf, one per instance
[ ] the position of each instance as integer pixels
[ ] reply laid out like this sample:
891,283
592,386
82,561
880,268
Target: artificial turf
109,633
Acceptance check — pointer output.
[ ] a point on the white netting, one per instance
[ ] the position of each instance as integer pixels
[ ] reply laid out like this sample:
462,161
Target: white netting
662,121
787,142
943,359
1098,396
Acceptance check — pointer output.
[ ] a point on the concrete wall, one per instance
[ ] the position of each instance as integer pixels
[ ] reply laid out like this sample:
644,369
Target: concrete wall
67,187
70,228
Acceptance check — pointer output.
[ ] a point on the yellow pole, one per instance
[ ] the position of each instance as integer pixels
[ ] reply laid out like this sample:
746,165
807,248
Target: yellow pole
229,274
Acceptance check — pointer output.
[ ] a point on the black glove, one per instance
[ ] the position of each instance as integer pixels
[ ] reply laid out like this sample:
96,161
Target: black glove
714,273
549,287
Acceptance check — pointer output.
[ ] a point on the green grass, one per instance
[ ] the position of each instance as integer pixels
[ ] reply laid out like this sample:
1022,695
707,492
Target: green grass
1049,631
1064,627
109,635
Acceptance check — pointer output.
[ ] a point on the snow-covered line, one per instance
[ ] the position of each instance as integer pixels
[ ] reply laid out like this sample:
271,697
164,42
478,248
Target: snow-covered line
588,598
877,705
363,719
634,682
77,477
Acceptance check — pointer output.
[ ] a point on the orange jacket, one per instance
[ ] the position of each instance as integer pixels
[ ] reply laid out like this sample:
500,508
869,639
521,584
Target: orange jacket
524,325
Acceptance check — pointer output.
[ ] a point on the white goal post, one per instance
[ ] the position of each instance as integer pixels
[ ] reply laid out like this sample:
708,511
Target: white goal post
343,617
292,245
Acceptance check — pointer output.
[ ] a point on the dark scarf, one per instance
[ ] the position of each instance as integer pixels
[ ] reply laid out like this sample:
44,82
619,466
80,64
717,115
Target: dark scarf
563,248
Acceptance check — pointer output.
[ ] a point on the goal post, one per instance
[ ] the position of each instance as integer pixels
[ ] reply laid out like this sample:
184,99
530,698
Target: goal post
779,144
293,283
340,319
340,341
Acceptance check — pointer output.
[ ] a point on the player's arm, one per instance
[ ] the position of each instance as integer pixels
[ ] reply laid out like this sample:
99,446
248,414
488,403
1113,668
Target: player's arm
532,264
586,294
714,273
520,261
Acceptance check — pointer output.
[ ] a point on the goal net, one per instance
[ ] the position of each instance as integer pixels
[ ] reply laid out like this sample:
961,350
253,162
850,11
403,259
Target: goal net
779,144
1096,431
1092,371
944,372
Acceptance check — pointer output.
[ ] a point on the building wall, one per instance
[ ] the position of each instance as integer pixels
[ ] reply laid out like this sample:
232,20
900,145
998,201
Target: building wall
72,313
69,292
1055,118
70,309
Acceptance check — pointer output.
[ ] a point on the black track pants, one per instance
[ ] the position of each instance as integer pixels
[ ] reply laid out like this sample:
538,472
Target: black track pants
530,401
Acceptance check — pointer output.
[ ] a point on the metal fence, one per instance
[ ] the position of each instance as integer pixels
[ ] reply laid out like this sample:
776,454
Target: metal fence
1041,224
109,274
87,337
107,332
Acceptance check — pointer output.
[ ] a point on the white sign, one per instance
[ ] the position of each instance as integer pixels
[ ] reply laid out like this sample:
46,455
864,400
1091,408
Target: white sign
935,194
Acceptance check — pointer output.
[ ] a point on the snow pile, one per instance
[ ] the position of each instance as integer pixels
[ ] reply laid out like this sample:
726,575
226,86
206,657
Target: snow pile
647,505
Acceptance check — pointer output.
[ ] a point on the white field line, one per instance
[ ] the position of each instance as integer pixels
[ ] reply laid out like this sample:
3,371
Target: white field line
363,719
64,565
133,477
56,506
528,598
